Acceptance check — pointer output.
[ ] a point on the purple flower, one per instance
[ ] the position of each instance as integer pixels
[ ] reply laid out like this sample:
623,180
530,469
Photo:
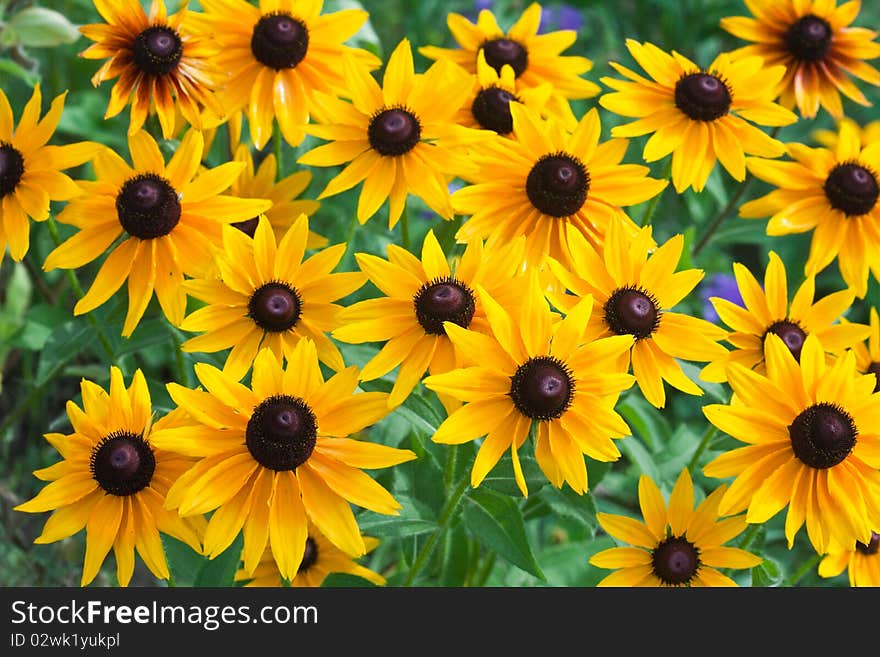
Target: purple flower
560,17
719,285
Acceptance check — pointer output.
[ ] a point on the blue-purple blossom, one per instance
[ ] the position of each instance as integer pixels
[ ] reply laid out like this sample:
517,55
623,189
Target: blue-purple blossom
718,285
560,17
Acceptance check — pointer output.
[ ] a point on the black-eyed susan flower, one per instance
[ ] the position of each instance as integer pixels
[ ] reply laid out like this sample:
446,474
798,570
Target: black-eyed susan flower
112,481
700,115
636,288
767,310
277,455
277,56
546,179
31,171
861,562
533,368
812,444
535,58
677,544
868,133
267,296
320,558
160,65
167,215
420,297
815,41
868,355
286,207
397,139
831,192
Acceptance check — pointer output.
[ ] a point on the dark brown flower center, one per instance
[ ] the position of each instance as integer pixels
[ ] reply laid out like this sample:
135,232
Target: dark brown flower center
558,184
823,435
148,207
852,189
11,169
870,548
248,226
792,336
499,52
808,38
157,50
122,463
874,368
394,131
310,555
702,96
491,109
444,300
275,307
676,560
281,433
542,388
632,311
279,41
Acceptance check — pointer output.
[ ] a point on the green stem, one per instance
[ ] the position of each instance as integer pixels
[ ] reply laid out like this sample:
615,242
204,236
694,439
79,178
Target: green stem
78,291
442,524
485,571
715,224
750,536
803,570
404,228
36,277
451,458
652,206
277,143
708,435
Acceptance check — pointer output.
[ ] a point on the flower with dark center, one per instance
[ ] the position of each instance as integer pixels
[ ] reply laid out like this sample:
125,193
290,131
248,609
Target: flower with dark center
11,169
157,50
871,548
808,38
542,388
281,433
874,368
394,131
248,226
506,51
491,109
275,307
122,463
279,41
675,561
702,96
557,185
444,300
792,335
310,555
822,435
852,189
148,207
632,311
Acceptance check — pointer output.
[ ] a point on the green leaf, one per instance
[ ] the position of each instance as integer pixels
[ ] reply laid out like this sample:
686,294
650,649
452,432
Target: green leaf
65,342
501,478
456,551
14,69
496,521
220,571
415,518
41,321
183,562
565,502
346,580
645,421
767,573
637,454
38,27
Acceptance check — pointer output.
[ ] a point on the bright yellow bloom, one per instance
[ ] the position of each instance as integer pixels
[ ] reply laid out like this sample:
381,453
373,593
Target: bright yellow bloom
699,115
266,296
831,192
815,42
868,133
868,355
534,368
113,479
536,59
768,311
161,65
30,171
861,563
676,545
812,444
276,455
636,289
546,179
168,216
420,296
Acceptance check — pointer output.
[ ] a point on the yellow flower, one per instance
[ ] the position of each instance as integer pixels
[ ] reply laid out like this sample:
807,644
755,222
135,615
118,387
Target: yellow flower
699,115
276,455
860,562
113,479
534,369
30,171
831,192
168,219
160,65
266,296
812,444
868,355
815,42
868,133
768,311
678,545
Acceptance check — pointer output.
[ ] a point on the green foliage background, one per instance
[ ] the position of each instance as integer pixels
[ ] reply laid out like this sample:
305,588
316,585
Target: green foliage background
493,537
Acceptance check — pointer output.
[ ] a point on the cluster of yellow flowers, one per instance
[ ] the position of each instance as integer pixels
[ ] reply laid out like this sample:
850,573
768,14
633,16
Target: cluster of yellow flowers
557,303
